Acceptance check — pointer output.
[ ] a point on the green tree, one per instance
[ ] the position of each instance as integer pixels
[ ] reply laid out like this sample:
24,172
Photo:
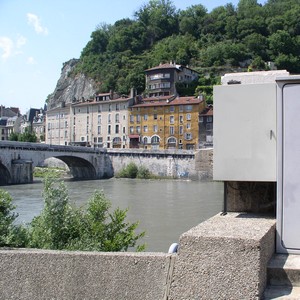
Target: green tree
63,226
11,235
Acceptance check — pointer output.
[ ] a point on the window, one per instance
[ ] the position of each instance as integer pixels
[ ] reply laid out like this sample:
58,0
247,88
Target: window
138,129
99,108
188,107
209,119
109,118
172,108
99,119
87,120
117,129
109,129
188,125
181,119
209,126
145,117
188,136
66,124
74,120
145,128
117,106
180,129
171,119
145,140
131,118
188,117
131,129
109,107
172,141
180,107
124,129
117,118
171,130
155,129
66,134
138,118
100,139
155,140
155,116
201,119
99,129
87,129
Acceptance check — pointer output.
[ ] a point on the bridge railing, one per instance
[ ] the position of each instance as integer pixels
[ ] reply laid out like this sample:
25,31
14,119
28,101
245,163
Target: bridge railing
46,147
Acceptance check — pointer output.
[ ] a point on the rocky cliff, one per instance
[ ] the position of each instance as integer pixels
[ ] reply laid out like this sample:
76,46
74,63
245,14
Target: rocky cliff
71,88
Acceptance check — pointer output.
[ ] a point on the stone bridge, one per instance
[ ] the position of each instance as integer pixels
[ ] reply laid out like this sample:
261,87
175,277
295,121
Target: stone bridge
17,160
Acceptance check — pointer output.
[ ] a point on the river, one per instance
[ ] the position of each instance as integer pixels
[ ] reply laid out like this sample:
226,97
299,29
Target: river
164,208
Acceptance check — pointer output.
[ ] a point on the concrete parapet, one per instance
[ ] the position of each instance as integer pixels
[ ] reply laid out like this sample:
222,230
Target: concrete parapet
224,257
42,274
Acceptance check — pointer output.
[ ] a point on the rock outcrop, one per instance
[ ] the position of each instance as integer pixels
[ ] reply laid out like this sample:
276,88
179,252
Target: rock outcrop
71,88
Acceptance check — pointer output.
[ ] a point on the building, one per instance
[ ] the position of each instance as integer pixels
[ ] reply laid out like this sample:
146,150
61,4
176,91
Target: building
206,127
165,123
3,129
13,125
58,122
101,122
38,126
161,80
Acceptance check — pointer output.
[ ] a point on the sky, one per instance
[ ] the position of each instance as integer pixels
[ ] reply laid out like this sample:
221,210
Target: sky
38,36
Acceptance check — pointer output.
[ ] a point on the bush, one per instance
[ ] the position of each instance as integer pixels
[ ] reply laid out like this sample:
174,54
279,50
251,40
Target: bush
62,226
11,235
130,171
144,173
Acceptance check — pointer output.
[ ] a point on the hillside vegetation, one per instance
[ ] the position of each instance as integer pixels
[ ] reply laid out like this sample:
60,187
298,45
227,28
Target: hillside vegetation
228,37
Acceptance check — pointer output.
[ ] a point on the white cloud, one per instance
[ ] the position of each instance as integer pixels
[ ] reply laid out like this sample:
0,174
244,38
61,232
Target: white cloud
21,41
7,46
31,61
35,21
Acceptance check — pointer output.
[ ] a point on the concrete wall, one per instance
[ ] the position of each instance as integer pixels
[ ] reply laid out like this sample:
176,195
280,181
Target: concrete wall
38,275
225,257
177,164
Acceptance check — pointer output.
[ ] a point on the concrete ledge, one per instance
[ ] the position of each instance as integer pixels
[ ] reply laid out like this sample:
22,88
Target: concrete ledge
224,257
41,274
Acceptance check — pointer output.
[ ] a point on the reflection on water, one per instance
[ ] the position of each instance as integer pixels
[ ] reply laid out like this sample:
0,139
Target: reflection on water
164,208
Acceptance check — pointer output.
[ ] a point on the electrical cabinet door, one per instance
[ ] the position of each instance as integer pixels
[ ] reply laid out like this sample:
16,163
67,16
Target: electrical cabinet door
245,132
289,181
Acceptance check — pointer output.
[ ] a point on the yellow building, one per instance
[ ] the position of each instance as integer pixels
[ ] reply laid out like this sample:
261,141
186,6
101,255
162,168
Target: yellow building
166,122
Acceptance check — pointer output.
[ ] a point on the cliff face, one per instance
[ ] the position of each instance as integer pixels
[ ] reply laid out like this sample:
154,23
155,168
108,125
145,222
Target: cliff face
69,89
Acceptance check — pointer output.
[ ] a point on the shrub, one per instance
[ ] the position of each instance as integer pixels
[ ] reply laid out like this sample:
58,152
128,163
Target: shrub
62,226
11,235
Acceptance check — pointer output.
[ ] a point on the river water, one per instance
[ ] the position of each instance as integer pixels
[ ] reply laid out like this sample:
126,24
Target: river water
164,208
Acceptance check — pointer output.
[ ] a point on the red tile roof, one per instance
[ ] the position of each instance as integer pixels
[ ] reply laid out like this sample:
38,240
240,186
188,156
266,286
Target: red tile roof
177,101
165,66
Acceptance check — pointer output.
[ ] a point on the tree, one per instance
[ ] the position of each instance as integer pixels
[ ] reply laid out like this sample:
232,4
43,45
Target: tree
63,226
11,235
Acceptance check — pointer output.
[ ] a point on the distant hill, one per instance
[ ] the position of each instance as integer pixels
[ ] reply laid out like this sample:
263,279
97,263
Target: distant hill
228,38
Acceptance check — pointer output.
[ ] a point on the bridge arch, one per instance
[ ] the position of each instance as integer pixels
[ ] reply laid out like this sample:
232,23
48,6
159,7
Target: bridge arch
5,177
79,168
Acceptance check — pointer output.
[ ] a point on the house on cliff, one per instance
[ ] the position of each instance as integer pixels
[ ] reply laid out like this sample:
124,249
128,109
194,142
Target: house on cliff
161,80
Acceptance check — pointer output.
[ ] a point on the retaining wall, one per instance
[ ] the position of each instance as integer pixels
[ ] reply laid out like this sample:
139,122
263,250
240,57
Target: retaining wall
224,257
168,163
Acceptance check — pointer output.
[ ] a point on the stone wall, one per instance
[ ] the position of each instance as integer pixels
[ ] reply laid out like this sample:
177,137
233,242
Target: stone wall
224,257
41,275
169,163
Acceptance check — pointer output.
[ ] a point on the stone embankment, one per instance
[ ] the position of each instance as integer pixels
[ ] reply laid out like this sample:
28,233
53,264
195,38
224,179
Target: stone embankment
225,257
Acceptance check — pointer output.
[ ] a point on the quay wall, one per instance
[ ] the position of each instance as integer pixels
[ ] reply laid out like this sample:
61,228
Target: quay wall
224,257
179,164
